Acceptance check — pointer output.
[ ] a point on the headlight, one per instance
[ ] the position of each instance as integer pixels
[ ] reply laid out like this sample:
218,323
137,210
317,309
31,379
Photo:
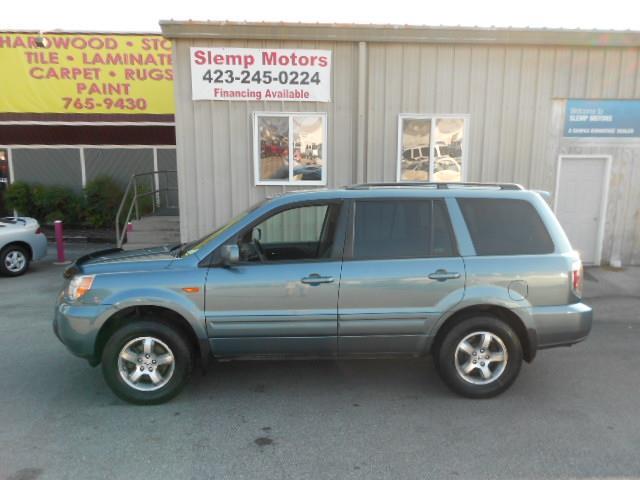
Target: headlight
79,286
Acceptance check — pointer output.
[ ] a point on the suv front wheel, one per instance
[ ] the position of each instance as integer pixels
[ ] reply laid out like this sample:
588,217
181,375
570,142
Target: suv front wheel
480,357
146,362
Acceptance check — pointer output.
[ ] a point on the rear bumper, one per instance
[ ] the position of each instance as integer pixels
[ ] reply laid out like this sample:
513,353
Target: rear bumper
39,247
562,325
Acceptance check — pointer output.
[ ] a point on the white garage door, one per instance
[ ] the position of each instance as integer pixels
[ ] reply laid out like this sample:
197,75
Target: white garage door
580,201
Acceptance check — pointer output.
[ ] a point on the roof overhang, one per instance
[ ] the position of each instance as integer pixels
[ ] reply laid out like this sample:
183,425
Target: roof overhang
175,29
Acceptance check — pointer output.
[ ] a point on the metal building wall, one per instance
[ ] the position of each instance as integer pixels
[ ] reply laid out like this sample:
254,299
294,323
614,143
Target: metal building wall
622,224
118,163
507,90
214,139
167,161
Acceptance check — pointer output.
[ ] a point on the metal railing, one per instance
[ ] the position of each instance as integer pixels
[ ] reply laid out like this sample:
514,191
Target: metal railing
134,192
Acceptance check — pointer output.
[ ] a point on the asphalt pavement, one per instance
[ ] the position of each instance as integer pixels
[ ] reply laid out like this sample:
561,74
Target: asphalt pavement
572,413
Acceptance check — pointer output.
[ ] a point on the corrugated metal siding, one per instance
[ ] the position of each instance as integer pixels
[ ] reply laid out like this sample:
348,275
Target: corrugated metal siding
167,161
117,163
508,92
215,170
48,166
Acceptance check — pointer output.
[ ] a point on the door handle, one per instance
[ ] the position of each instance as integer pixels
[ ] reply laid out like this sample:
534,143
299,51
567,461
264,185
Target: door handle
316,279
442,275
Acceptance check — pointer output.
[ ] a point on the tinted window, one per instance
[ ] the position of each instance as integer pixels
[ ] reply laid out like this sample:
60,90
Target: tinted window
505,227
401,229
300,233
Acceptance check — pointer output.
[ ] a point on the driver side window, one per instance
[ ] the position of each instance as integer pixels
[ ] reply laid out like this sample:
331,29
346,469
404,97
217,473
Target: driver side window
299,233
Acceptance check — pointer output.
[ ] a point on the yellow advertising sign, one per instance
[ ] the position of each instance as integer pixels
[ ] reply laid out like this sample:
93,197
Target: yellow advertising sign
85,73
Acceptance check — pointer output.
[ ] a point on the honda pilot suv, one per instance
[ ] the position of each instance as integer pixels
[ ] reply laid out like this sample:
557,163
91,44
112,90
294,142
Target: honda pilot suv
479,276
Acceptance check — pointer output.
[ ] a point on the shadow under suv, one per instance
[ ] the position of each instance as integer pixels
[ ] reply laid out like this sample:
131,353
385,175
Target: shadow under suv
479,276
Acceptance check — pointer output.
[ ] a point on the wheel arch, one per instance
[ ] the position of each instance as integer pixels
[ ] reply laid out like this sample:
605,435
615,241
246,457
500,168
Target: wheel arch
154,313
527,336
20,243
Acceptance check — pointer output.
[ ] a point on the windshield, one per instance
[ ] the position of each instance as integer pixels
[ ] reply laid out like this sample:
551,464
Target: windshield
192,247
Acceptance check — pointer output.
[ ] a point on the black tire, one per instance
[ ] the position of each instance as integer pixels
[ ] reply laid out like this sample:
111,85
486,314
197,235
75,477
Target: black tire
11,249
175,341
446,357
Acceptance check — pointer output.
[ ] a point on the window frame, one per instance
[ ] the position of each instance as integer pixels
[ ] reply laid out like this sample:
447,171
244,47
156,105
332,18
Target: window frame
349,247
433,117
256,148
339,235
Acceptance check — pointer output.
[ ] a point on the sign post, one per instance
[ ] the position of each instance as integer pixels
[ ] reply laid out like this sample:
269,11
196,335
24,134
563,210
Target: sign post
59,243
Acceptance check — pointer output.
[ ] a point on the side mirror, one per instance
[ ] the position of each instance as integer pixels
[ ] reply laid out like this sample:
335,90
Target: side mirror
230,254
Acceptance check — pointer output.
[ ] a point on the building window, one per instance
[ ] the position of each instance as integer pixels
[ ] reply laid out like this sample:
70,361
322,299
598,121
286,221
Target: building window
290,148
431,148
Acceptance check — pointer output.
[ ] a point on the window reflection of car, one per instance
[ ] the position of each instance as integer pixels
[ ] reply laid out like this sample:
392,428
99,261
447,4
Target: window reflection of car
282,172
446,169
453,149
307,172
312,151
272,150
417,153
300,172
415,162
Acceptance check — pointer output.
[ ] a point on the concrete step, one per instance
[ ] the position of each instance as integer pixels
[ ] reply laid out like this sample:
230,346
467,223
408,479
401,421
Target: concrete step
156,228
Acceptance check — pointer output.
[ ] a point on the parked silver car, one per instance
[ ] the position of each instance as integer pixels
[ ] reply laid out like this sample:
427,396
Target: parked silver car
480,276
21,242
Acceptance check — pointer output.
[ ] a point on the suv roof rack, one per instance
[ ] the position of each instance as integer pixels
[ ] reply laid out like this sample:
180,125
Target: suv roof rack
437,185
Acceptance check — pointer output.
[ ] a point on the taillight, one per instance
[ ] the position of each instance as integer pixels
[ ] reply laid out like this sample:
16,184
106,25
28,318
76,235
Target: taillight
576,278
38,231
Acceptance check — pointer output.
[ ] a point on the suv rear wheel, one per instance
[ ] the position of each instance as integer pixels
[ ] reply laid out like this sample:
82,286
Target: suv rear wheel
146,362
480,357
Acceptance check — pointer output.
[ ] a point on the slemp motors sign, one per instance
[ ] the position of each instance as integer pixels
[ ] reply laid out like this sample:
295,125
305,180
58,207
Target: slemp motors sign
261,74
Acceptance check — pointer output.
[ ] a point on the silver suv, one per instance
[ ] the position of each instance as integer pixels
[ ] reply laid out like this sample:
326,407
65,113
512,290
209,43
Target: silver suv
479,276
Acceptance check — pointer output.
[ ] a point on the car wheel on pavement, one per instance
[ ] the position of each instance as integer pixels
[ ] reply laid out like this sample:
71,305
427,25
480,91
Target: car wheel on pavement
480,357
14,260
146,362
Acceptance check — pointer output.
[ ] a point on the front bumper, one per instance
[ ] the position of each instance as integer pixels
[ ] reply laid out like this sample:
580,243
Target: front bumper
562,325
77,327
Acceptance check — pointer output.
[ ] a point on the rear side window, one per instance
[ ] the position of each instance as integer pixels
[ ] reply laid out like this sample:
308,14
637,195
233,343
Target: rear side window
401,229
505,227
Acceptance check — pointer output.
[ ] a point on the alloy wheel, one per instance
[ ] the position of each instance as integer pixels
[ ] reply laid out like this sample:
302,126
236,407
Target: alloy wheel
481,358
15,261
146,363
